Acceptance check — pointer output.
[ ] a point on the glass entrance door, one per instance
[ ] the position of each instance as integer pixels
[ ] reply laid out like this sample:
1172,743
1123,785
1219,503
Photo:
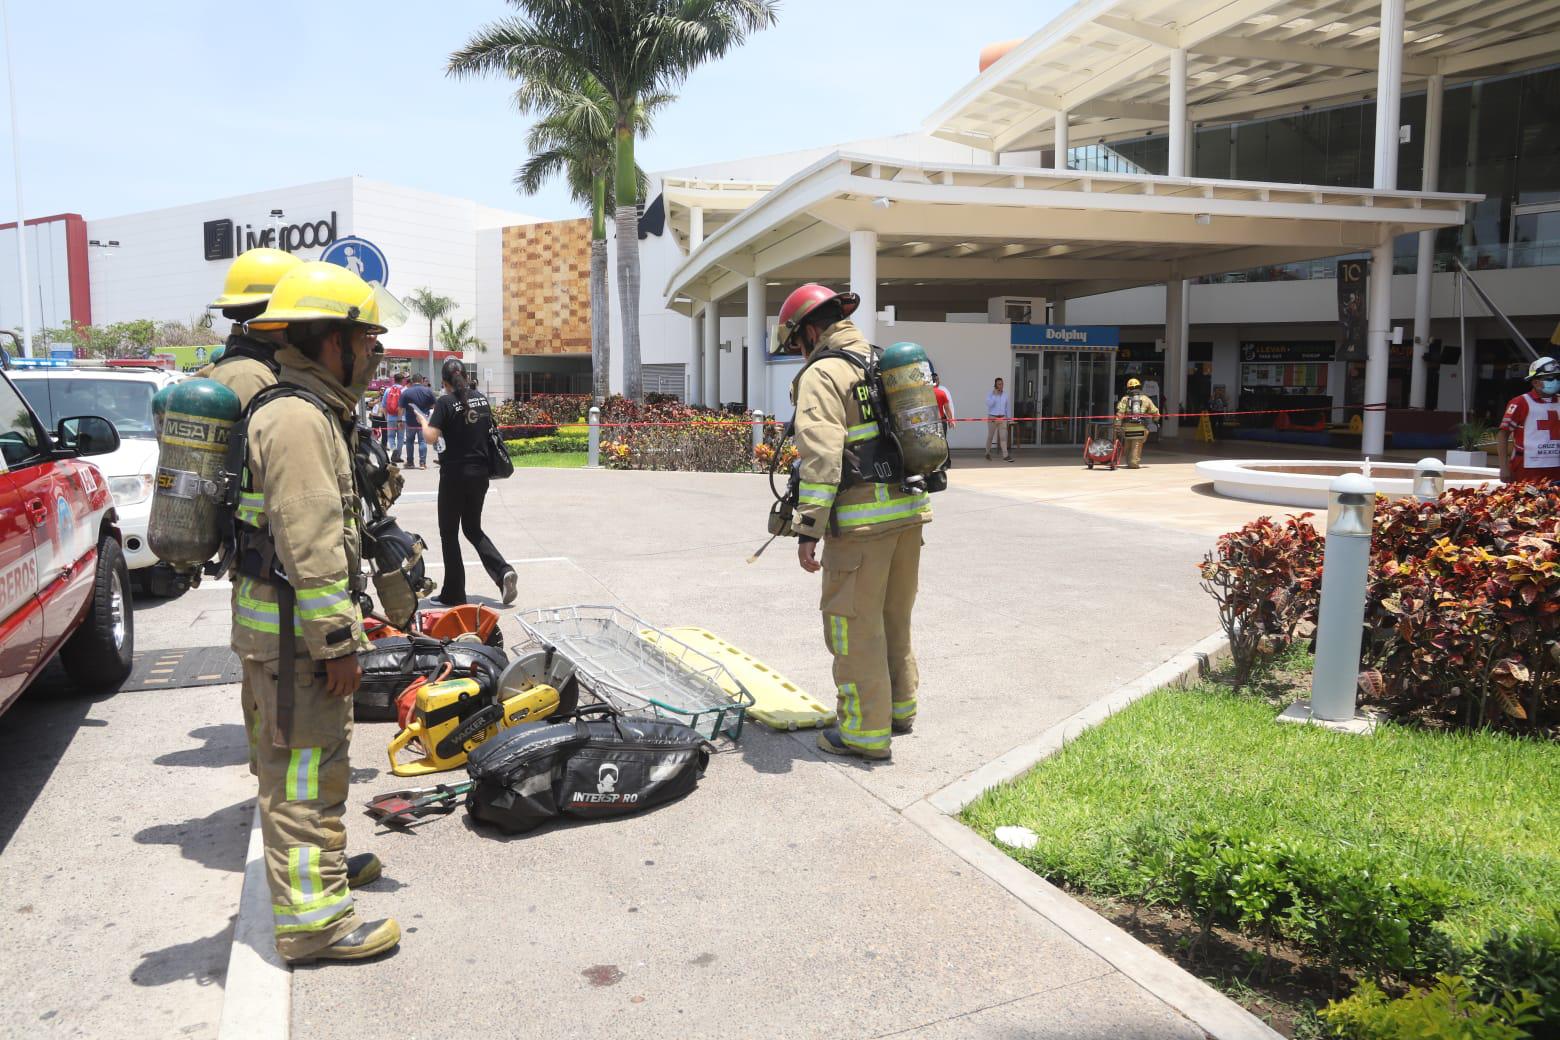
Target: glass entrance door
1077,385
1026,398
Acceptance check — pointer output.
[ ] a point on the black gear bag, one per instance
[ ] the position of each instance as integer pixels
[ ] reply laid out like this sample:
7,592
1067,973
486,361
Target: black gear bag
396,661
597,765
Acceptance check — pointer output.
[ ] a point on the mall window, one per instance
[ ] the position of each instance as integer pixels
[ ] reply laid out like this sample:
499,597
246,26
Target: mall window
1500,137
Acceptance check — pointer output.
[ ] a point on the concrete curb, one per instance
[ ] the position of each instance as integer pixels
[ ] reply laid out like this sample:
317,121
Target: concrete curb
257,994
1200,1003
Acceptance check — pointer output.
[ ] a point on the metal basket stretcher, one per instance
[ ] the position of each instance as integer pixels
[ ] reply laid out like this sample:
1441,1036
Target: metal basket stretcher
640,669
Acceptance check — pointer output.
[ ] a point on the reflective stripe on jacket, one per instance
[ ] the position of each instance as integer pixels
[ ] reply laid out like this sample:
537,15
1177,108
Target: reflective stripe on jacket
300,467
829,420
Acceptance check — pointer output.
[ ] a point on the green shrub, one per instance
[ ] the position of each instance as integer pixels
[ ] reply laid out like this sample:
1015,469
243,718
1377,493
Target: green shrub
1525,958
1335,902
1448,1010
546,445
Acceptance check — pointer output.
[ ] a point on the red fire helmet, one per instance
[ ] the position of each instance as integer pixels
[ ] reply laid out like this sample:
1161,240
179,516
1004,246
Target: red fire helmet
803,302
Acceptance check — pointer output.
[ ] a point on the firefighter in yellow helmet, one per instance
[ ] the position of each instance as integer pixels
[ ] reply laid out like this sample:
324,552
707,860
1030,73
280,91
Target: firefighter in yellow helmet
851,498
247,365
297,626
1133,413
248,361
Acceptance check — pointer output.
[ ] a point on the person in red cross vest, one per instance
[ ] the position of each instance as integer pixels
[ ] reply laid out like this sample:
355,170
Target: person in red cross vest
1529,439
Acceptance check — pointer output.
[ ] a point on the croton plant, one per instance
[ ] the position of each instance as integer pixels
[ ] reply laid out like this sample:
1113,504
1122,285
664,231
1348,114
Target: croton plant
1462,621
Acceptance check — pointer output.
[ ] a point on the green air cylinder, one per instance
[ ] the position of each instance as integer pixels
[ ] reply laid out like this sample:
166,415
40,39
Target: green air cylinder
912,408
160,406
186,504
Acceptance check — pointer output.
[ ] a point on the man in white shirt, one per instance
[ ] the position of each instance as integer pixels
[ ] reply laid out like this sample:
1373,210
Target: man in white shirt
999,413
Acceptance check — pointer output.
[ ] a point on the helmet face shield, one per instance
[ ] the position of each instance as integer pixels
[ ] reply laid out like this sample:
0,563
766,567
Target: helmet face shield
780,340
391,312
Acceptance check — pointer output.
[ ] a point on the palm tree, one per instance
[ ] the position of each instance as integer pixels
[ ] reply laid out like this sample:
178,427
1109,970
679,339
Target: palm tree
575,140
458,339
433,307
634,49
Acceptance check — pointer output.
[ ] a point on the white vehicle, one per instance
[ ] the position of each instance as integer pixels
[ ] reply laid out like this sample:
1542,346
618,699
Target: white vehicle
123,395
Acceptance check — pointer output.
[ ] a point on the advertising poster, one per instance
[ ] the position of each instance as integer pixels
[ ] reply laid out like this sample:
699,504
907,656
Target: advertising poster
1352,317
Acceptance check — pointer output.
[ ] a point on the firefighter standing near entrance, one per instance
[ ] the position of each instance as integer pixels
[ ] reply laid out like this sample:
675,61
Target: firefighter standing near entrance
1132,418
1529,438
246,366
851,499
296,626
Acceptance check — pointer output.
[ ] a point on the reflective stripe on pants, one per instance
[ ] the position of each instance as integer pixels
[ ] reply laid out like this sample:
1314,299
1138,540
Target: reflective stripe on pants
866,626
303,793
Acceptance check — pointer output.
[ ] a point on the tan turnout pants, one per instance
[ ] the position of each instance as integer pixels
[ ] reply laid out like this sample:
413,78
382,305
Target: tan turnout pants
303,792
1132,438
869,586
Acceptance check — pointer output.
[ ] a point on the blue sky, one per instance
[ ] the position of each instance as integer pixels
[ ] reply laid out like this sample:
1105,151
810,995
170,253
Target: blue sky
128,107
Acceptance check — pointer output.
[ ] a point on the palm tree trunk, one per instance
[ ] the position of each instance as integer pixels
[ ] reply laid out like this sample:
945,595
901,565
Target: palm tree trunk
431,370
600,303
627,218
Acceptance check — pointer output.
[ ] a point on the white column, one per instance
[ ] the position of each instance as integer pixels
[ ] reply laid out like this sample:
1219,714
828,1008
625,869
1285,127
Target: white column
1389,94
695,359
1432,167
1173,388
695,228
1059,311
863,280
1375,438
1060,161
712,397
758,344
1177,166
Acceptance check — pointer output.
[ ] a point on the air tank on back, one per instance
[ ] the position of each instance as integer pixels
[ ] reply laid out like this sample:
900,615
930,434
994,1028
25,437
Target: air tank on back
912,408
197,416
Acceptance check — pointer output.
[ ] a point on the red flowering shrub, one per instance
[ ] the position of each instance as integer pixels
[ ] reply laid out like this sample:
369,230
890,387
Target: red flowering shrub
539,416
1463,613
673,436
1266,579
1463,616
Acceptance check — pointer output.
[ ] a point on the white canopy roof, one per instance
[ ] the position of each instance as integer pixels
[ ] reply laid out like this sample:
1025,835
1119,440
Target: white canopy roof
1106,62
1069,233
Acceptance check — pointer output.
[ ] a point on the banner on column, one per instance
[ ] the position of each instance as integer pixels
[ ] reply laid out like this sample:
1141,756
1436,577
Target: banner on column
1353,316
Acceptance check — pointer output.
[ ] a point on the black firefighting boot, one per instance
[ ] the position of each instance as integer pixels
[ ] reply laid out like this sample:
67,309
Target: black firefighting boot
831,741
901,727
363,869
367,940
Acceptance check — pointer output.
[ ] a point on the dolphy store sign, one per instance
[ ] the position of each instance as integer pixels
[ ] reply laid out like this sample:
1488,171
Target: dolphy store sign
1066,337
226,238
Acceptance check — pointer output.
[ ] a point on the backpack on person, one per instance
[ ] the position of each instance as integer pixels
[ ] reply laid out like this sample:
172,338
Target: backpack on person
392,399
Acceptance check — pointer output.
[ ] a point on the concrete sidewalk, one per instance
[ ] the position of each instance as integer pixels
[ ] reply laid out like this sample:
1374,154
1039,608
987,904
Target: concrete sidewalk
787,897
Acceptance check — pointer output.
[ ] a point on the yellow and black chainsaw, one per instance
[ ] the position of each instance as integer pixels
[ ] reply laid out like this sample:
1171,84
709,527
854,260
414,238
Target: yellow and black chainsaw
451,718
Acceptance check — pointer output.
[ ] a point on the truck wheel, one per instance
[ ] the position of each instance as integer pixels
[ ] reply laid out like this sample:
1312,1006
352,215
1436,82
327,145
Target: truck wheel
99,654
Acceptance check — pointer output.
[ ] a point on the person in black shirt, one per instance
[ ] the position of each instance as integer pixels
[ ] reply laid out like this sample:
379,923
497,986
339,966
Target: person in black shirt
463,417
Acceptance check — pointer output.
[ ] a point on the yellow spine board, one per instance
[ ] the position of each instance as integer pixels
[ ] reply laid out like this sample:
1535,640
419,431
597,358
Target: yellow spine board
777,701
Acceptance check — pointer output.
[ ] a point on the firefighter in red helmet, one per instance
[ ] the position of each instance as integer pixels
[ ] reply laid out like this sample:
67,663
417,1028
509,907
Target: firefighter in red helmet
869,525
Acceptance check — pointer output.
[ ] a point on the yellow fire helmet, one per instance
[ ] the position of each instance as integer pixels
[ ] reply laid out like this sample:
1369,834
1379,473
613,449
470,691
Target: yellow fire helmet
253,276
1133,384
316,291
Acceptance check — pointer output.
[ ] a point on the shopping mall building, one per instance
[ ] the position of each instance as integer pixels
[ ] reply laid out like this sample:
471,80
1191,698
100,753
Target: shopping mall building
1166,190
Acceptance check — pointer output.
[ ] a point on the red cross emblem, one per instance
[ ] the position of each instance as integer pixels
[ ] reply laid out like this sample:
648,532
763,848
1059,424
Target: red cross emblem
1550,424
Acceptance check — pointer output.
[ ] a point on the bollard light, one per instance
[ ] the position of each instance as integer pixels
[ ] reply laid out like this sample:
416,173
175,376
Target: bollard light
1351,505
1429,479
758,428
1340,619
593,438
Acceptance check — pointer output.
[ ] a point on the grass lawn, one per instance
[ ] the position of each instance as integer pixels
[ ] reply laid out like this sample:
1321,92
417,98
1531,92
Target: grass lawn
1478,810
552,460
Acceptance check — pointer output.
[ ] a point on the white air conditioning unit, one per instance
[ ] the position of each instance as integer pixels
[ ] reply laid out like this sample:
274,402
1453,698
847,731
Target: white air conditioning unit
1016,310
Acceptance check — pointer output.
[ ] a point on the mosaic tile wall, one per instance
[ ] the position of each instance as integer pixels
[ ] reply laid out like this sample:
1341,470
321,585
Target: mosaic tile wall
547,288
